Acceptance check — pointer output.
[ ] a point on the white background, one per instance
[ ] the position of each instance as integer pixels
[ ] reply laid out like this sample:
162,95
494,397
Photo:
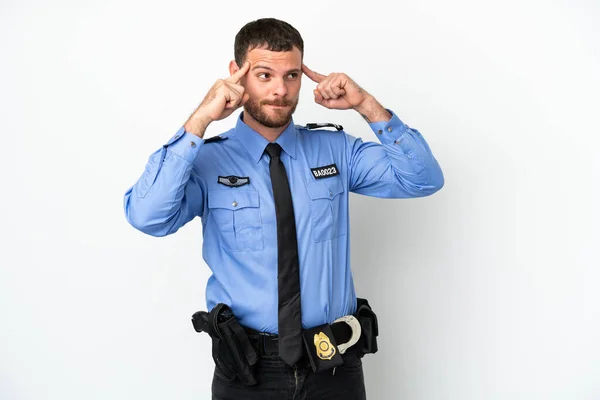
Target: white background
486,290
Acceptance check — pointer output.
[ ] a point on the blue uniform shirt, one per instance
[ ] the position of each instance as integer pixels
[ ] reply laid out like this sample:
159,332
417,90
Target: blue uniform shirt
181,181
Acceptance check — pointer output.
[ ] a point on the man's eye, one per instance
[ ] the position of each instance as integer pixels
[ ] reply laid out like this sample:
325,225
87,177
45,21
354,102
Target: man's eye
293,75
263,75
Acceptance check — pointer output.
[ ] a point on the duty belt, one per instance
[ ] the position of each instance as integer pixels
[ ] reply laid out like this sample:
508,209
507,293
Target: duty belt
236,348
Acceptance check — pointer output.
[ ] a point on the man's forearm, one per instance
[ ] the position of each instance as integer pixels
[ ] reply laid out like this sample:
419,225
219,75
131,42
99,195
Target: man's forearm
372,111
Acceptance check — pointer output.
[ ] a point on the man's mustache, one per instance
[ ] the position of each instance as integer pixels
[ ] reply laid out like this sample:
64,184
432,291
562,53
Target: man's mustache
278,103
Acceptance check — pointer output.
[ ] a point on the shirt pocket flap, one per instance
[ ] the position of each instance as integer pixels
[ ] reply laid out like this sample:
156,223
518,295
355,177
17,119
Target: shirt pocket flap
232,199
325,189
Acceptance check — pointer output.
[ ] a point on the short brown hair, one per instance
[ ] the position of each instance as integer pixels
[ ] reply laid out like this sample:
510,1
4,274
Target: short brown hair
271,33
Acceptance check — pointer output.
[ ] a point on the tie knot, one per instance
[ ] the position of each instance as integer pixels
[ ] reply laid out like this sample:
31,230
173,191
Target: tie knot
273,149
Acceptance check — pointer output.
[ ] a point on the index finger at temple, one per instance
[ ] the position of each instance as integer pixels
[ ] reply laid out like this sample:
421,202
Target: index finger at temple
235,78
314,76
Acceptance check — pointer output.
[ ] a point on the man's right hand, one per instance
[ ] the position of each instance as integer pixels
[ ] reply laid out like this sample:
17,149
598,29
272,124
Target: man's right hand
223,98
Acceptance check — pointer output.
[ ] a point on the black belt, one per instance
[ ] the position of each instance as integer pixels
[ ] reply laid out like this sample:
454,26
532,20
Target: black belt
267,344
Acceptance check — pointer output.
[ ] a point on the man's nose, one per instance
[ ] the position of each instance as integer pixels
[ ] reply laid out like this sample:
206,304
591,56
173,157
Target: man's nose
280,88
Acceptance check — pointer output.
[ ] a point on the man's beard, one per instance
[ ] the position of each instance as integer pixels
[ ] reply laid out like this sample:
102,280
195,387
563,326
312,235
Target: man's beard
278,118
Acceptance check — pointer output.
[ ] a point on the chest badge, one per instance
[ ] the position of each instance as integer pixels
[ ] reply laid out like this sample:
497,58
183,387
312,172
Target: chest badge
325,172
234,181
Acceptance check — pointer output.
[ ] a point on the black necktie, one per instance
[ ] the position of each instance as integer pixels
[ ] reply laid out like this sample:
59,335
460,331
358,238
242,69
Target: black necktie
288,275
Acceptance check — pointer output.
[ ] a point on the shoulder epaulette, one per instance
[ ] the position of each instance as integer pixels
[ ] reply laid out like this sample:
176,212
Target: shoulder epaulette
324,125
214,139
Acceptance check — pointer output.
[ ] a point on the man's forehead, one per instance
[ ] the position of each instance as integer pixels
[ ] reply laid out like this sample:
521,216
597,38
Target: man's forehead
274,59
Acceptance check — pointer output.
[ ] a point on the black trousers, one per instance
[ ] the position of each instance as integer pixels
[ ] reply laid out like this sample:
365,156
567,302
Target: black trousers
278,381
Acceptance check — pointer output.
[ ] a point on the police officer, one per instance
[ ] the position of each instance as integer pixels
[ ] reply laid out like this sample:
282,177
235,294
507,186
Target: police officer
273,199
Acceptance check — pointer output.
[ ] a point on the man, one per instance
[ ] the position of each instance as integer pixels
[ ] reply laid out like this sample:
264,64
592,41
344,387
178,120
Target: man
273,199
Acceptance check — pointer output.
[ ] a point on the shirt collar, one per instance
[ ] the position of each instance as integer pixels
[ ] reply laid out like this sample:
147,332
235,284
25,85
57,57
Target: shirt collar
255,143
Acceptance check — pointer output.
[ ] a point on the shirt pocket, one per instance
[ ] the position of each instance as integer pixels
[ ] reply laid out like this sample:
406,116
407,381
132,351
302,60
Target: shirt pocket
326,208
237,215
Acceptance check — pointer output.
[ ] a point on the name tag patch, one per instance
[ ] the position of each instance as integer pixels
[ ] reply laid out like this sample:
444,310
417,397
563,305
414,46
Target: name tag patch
325,172
234,181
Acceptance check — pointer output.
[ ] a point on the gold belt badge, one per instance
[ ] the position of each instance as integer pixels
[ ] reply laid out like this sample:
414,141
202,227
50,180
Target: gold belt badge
325,350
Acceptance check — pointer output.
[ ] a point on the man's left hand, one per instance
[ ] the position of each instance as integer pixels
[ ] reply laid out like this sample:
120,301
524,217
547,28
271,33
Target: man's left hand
336,90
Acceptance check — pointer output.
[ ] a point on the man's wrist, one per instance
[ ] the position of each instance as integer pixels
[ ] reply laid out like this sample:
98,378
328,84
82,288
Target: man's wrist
372,111
197,125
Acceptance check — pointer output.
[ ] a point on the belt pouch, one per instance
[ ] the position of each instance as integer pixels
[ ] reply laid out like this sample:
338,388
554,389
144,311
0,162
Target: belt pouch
321,348
369,326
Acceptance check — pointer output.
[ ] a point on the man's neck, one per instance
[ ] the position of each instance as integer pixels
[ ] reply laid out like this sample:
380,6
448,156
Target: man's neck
271,134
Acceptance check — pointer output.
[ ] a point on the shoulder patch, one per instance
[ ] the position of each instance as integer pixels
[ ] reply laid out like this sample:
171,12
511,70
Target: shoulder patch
324,125
214,139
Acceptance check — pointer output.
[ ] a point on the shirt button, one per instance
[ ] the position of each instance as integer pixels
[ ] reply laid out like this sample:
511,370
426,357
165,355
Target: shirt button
234,204
193,144
389,128
330,193
380,131
176,137
410,157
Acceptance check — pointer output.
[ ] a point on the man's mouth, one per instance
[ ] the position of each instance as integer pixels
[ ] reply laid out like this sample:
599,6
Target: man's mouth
278,105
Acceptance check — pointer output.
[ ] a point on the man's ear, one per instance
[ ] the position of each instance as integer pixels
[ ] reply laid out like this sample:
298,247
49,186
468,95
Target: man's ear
233,67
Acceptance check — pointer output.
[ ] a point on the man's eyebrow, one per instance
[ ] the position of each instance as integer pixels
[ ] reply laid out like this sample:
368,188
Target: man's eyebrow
271,69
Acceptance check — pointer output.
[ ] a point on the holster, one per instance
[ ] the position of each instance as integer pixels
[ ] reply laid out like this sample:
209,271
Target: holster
231,349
